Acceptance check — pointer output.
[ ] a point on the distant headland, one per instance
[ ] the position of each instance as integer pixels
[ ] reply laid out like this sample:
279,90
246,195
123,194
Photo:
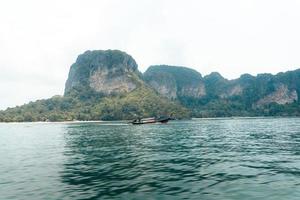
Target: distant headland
107,85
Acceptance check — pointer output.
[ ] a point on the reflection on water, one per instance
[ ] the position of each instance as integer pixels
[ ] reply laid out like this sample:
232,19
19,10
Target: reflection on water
197,159
206,158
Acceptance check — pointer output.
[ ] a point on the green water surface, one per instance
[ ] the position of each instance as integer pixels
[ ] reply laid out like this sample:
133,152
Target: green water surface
241,158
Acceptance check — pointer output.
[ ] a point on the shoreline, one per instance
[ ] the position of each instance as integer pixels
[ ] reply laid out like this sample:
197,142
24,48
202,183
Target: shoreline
193,118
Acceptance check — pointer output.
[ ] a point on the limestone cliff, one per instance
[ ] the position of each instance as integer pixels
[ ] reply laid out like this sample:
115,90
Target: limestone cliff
282,95
174,82
106,85
109,71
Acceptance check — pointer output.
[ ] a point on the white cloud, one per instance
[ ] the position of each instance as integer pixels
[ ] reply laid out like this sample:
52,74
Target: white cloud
39,40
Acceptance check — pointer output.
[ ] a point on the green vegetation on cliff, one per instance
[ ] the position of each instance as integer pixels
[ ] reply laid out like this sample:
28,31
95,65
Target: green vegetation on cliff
90,105
263,95
221,101
106,85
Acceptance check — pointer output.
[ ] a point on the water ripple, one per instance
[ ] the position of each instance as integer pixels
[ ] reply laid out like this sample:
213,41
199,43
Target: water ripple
251,158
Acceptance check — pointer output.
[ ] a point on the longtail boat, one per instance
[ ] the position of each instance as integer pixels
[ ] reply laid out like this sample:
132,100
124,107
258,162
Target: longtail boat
151,120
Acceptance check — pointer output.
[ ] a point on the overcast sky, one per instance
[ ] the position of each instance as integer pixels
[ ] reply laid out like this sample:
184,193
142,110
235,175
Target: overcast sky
40,39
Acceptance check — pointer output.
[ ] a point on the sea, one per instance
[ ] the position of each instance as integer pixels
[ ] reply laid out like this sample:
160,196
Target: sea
213,159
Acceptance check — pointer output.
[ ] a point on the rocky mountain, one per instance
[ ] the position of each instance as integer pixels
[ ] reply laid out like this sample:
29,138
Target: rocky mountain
174,82
215,96
282,95
260,90
110,71
107,85
102,85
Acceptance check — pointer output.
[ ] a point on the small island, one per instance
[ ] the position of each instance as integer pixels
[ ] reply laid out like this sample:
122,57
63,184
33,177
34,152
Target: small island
107,85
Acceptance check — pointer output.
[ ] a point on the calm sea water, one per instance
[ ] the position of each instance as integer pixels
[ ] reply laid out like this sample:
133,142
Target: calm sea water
254,158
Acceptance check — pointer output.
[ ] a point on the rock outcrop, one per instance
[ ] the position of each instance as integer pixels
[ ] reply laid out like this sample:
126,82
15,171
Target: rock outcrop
106,85
110,71
174,82
281,96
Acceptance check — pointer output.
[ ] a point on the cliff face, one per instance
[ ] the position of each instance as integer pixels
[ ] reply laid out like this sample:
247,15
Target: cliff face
111,80
115,72
265,89
106,85
110,71
262,89
282,95
214,96
102,85
174,82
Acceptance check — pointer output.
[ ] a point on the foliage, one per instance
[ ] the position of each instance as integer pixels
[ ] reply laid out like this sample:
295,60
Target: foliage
84,104
244,104
81,102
